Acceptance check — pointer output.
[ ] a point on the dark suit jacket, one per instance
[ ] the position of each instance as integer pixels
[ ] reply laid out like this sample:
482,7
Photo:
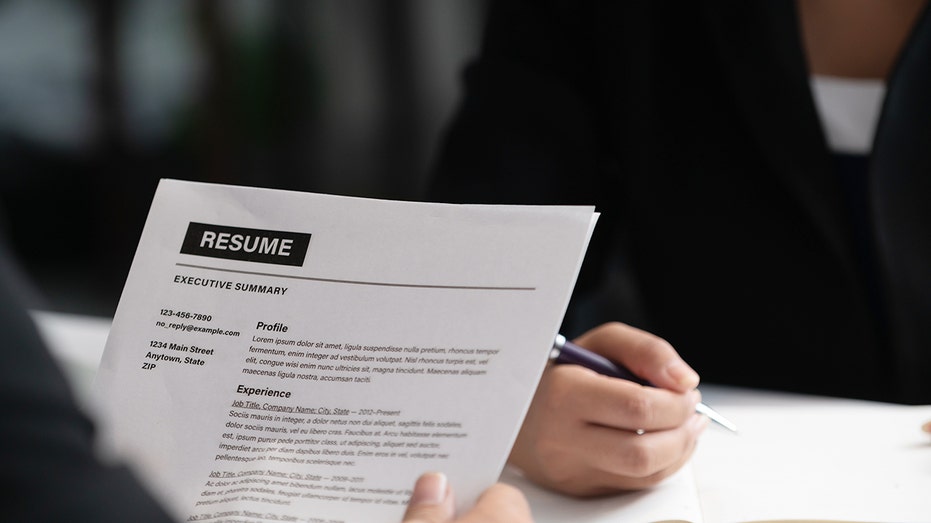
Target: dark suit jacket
692,128
48,468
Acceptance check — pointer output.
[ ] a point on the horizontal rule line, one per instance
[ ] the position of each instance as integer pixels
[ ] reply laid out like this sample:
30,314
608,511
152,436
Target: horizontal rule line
359,282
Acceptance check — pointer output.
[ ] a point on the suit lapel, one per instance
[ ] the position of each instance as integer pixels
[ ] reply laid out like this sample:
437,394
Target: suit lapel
901,187
760,48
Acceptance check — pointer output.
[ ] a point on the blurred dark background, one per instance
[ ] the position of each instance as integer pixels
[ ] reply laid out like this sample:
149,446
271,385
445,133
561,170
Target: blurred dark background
101,99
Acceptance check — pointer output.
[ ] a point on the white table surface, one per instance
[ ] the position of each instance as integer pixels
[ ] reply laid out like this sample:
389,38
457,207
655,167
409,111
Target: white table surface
824,458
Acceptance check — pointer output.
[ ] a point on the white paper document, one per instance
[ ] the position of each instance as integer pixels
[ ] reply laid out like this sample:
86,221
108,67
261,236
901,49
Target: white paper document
285,356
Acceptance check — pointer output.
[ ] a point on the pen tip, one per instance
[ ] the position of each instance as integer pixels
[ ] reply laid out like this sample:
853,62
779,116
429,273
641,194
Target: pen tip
701,408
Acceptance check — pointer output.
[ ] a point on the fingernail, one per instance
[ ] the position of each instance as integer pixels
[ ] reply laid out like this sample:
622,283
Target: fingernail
927,427
682,374
430,489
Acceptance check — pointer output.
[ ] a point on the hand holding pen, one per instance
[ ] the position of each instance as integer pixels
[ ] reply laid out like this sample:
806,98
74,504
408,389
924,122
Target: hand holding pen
581,433
566,352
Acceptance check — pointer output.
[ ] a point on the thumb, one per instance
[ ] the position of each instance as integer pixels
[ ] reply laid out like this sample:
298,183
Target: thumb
431,502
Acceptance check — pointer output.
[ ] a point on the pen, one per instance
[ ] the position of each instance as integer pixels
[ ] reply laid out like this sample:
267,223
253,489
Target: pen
564,351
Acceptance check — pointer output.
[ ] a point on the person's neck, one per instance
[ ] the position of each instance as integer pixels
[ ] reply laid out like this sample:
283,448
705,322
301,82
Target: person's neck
855,38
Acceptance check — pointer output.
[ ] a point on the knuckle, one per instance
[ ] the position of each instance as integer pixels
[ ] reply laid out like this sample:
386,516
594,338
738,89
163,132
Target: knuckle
640,460
640,410
654,345
614,327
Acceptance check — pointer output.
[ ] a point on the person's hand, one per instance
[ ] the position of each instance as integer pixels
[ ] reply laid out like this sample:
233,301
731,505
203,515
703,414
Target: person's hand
587,434
432,502
927,427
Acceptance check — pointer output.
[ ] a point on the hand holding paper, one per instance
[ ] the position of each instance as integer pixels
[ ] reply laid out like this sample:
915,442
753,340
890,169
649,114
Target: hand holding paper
432,502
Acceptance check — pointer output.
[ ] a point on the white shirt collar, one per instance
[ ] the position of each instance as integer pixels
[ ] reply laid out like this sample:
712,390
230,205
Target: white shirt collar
849,110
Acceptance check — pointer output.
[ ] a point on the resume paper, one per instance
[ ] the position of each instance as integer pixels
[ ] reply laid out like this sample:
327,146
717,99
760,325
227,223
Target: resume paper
287,356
